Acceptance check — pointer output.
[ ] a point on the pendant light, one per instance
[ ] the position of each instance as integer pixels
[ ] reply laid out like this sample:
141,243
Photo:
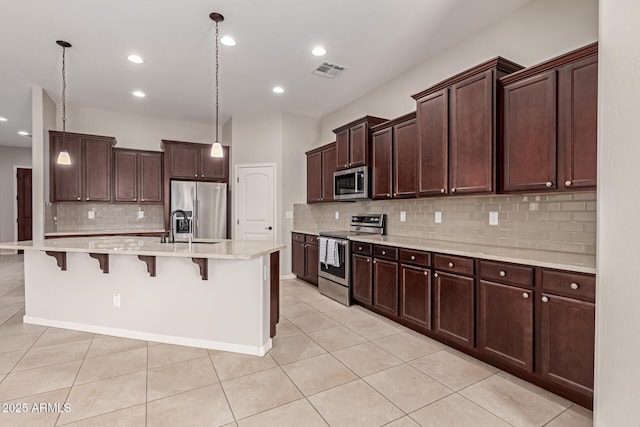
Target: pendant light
216,148
63,156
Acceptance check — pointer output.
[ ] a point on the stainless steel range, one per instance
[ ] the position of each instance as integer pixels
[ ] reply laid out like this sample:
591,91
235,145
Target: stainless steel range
334,250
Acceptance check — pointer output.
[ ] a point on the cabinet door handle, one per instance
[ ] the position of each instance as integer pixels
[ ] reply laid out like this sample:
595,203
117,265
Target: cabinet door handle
545,299
574,286
568,183
413,258
450,264
525,295
549,184
503,273
435,274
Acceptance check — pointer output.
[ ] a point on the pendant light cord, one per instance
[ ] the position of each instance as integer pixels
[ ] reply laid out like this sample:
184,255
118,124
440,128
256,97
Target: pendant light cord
217,66
64,97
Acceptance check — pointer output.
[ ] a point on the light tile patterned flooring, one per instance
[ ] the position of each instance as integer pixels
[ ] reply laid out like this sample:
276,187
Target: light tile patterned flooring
330,365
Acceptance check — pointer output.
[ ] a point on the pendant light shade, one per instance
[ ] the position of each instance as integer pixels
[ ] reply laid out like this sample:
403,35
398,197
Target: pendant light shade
216,148
64,158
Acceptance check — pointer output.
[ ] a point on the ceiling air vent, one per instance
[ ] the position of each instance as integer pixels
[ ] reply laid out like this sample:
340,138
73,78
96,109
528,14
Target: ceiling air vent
327,70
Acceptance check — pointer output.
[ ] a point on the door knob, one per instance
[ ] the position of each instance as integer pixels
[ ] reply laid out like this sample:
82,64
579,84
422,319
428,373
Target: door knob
268,228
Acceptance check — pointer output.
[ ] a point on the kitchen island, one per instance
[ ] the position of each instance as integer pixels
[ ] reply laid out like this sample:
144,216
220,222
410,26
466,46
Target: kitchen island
218,294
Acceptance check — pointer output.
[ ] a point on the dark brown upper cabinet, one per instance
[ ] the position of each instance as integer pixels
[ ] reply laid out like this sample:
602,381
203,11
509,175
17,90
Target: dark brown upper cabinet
352,142
393,148
137,176
188,160
456,122
88,178
320,167
549,134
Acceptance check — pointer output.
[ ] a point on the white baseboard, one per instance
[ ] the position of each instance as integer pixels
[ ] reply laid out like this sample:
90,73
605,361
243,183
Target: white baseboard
146,336
287,276
8,252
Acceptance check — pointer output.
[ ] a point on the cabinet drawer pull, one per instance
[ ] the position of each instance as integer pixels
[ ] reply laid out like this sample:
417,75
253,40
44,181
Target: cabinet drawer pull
549,184
574,286
525,295
568,183
384,252
450,264
359,248
435,274
545,299
413,258
503,273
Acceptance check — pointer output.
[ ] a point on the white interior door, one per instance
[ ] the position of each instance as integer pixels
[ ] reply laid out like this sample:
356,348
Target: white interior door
255,202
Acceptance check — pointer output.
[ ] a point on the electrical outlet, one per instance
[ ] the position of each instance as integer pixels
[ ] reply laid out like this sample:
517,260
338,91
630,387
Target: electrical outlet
403,216
116,300
337,215
140,214
493,218
438,217
289,214
92,214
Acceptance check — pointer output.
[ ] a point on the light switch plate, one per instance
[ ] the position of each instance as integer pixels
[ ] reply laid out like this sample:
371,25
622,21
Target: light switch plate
140,214
403,216
438,217
289,214
92,214
116,300
493,218
337,215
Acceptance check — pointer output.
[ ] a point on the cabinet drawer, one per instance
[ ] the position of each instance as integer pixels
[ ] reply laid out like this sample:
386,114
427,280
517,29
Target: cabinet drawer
454,264
298,237
385,252
312,240
569,284
361,248
506,273
420,258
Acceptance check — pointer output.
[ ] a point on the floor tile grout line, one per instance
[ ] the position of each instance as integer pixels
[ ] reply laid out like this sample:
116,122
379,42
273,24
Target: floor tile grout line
224,392
486,409
548,422
99,415
25,353
146,391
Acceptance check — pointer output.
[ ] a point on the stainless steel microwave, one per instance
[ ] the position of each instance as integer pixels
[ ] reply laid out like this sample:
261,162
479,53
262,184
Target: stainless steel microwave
351,184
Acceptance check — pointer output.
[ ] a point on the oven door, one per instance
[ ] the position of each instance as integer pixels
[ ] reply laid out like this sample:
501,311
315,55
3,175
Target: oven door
351,184
337,274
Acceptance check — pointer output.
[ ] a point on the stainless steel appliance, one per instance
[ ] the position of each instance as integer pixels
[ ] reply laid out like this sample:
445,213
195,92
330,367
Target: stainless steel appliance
335,282
351,184
205,204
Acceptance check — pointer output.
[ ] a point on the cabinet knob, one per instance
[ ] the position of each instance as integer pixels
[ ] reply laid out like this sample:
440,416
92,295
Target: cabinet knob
142,200
442,190
549,184
359,248
196,175
135,199
374,261
87,198
453,190
202,175
568,183
384,252
426,273
435,274
503,273
413,257
368,260
78,198
450,264
574,286
395,194
545,299
388,195
525,295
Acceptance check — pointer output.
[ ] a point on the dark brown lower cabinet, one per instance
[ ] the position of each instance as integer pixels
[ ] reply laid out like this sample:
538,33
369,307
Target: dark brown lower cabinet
362,279
304,257
567,342
454,308
505,323
311,263
415,295
385,286
297,258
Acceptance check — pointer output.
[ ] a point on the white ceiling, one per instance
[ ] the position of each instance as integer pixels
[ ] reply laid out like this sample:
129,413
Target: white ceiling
375,39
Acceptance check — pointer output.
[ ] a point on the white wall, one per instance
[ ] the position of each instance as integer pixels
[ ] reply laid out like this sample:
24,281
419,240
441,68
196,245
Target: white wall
10,157
617,392
540,30
131,131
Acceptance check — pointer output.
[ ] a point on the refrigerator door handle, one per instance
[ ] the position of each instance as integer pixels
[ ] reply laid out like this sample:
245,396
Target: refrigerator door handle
194,218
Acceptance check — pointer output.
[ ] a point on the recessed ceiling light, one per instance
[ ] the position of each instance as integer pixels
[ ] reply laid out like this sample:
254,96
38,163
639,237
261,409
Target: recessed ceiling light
278,89
139,93
3,119
228,41
23,133
135,59
319,51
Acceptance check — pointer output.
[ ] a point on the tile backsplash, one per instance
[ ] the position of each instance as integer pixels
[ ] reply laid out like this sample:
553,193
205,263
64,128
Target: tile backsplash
75,217
561,222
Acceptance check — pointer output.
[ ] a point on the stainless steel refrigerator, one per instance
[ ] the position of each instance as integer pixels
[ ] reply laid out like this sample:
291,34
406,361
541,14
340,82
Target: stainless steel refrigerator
205,204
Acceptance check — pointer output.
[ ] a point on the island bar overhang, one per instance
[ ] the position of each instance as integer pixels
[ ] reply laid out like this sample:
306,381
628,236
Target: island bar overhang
233,310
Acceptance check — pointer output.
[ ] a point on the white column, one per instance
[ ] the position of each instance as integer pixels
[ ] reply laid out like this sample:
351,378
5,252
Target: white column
38,159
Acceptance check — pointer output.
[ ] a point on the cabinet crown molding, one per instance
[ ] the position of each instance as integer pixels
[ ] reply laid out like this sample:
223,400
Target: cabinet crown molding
370,120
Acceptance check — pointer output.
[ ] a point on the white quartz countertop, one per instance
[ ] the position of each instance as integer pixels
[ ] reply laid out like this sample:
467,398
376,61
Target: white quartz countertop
98,232
151,246
540,258
306,231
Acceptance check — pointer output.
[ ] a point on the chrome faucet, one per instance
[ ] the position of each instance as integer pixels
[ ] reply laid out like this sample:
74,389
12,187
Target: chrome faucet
172,237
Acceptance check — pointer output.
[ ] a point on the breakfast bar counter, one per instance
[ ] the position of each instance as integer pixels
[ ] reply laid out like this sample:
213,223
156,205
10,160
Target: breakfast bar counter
216,294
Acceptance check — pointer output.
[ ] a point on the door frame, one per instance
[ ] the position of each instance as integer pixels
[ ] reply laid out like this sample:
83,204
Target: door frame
236,176
15,200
